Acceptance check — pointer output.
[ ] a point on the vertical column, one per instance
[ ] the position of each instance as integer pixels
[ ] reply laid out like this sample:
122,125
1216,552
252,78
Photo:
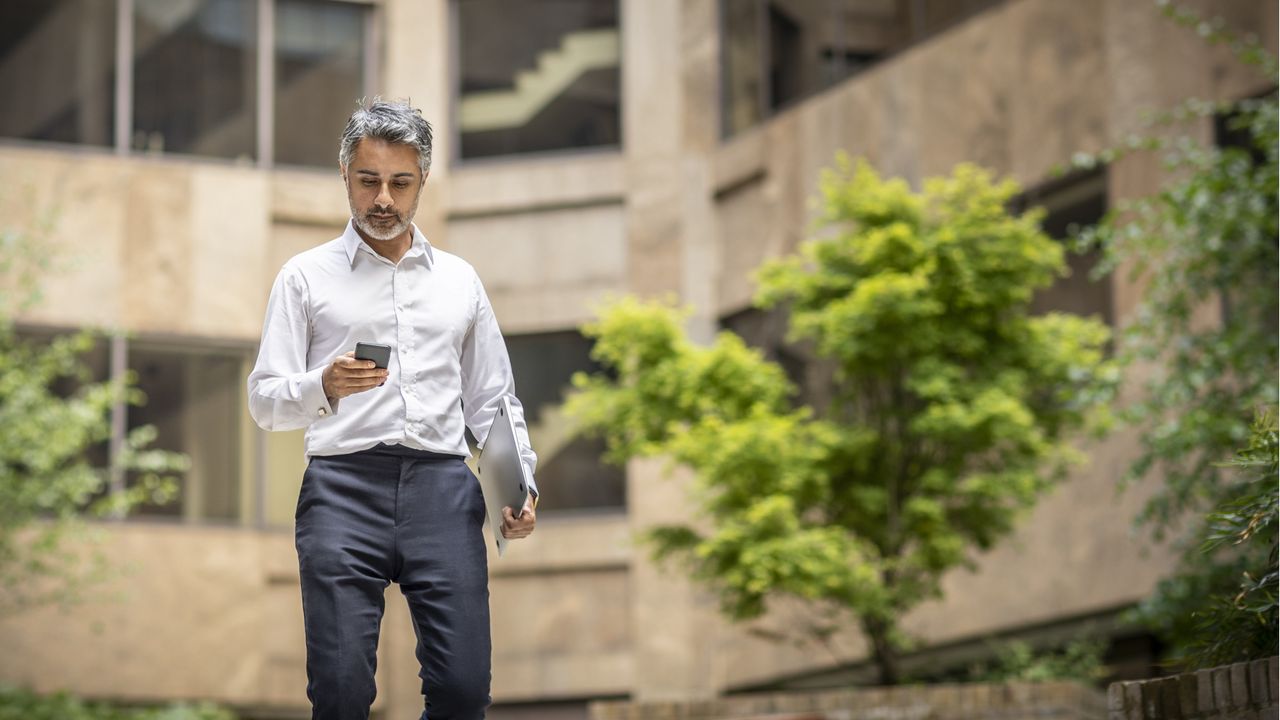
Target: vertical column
417,51
124,75
670,73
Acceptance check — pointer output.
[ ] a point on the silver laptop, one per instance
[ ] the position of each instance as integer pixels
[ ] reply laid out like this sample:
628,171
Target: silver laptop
501,473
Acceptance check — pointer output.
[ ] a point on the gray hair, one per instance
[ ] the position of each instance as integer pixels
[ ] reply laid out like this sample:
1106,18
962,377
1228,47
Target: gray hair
395,122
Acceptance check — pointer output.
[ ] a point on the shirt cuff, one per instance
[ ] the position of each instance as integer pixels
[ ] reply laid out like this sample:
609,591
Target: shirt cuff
314,401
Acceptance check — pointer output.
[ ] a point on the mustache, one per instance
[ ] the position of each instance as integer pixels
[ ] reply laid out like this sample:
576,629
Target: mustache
382,214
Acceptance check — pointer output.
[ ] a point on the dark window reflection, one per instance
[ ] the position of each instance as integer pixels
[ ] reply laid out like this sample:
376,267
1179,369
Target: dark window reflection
193,401
320,51
571,475
195,77
57,60
553,84
1072,204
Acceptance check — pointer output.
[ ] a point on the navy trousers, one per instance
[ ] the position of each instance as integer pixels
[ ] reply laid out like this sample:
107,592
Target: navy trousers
393,514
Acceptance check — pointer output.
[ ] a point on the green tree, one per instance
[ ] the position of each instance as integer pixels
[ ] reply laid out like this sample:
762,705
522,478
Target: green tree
951,411
47,483
1207,239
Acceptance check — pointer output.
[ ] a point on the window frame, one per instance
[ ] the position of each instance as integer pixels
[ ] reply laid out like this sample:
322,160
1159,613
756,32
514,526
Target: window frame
264,117
453,65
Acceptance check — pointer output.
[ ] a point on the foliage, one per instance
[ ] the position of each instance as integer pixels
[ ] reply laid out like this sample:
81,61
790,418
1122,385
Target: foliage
25,705
1206,244
46,479
1207,238
951,410
1079,660
1221,607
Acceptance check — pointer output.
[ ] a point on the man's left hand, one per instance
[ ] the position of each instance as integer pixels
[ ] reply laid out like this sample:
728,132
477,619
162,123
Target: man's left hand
514,528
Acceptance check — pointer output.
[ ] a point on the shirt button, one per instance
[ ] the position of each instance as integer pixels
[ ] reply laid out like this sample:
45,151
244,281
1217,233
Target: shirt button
322,412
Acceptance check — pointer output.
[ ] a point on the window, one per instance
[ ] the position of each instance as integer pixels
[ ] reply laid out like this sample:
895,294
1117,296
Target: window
195,81
1074,202
319,74
194,77
766,330
56,70
571,474
193,401
551,85
776,52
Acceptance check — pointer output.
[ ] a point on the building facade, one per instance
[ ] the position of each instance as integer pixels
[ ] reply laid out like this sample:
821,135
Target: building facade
179,151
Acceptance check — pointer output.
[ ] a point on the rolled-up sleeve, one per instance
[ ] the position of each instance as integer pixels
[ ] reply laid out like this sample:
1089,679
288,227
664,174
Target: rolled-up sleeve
487,378
283,393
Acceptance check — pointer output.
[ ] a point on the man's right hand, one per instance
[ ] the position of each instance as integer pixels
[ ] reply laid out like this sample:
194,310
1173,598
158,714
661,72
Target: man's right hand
347,376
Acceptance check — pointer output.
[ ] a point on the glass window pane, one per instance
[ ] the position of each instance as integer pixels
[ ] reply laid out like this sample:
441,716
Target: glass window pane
57,60
571,475
194,77
742,65
1075,203
320,50
552,85
193,401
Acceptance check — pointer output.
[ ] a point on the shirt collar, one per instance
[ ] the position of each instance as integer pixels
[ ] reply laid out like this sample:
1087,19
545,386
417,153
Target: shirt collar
352,243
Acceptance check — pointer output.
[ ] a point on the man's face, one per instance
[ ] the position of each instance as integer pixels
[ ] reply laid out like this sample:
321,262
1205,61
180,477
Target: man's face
383,187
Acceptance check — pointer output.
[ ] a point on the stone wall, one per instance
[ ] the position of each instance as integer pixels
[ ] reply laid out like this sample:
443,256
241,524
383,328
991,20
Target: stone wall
972,701
1244,691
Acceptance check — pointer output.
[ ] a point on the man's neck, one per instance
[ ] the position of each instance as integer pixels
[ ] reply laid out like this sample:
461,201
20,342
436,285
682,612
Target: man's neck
392,249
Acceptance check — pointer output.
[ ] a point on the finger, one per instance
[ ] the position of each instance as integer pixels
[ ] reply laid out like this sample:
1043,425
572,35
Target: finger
359,372
352,363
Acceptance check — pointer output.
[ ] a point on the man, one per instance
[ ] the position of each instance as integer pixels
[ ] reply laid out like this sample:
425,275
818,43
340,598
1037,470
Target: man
386,496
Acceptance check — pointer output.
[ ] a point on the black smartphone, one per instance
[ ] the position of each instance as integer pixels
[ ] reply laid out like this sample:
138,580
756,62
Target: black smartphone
379,354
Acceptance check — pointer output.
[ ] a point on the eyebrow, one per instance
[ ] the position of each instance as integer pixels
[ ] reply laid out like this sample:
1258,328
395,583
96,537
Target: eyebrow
371,173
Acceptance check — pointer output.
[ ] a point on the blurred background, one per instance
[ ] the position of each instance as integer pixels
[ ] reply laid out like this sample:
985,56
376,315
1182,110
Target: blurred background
171,155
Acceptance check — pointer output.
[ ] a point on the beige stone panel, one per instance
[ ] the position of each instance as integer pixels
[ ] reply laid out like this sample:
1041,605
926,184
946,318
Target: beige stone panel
700,79
1153,63
673,621
229,228
654,226
966,104
561,634
286,241
898,103
82,197
313,197
536,183
701,251
744,242
416,39
1074,554
652,116
285,461
1058,99
545,270
188,614
158,255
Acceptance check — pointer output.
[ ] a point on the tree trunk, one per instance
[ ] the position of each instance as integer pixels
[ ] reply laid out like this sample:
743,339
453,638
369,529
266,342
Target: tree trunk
883,651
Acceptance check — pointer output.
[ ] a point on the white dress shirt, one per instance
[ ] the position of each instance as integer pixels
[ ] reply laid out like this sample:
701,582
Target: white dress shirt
449,364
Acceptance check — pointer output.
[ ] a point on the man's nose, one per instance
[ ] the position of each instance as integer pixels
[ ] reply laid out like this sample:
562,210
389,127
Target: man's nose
384,198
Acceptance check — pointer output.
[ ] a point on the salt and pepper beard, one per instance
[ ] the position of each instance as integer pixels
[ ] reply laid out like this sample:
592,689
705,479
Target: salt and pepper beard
366,226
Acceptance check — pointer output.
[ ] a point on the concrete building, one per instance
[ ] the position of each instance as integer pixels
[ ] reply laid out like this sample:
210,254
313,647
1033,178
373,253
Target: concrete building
186,148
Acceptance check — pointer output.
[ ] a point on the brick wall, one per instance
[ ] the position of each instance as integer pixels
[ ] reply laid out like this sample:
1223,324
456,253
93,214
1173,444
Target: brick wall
1244,691
976,701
